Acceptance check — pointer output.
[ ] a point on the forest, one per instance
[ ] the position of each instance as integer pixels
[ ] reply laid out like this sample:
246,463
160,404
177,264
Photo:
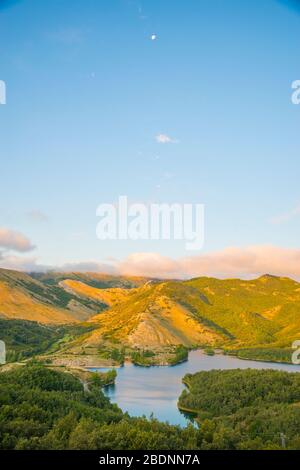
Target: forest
244,409
41,408
45,409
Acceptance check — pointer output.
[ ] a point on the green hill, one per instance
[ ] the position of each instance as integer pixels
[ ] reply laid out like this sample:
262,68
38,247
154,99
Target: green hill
263,314
257,319
244,409
25,339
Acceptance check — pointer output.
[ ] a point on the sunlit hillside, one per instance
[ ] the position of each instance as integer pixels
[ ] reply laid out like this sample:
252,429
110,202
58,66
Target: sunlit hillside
108,297
205,311
46,298
156,315
152,318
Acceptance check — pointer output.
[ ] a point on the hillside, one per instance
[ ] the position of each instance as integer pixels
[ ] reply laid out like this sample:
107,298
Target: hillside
244,409
22,297
263,312
47,298
151,318
257,319
25,339
107,297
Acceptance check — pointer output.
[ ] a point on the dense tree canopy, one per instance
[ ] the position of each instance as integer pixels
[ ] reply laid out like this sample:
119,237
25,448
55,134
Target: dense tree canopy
245,409
41,408
44,409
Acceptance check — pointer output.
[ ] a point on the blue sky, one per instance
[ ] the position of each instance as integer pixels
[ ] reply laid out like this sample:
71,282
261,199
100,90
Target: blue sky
88,91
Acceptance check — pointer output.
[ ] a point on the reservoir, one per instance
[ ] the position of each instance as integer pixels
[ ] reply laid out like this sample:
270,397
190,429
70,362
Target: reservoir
155,390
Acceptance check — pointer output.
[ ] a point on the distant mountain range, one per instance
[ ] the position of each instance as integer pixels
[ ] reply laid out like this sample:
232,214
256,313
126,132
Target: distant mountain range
149,314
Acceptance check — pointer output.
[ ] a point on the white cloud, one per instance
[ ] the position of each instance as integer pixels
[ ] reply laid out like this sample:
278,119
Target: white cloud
165,139
248,262
233,262
11,240
31,264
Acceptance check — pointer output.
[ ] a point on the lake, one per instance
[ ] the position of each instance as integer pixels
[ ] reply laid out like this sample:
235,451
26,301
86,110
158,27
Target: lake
147,390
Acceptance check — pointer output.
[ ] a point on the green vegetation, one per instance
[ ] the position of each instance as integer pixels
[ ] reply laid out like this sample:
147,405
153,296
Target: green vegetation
99,281
263,354
209,351
117,355
244,409
143,358
102,379
45,409
255,319
25,339
259,312
181,355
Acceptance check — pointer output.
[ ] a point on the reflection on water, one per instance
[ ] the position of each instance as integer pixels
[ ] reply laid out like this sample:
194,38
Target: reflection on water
147,390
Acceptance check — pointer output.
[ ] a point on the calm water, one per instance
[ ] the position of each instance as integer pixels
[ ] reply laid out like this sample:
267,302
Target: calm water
146,390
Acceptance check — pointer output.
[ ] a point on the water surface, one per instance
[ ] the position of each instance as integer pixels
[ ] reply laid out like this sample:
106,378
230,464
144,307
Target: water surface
147,390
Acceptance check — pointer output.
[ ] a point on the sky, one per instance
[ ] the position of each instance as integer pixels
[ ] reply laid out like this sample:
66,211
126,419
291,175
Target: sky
162,101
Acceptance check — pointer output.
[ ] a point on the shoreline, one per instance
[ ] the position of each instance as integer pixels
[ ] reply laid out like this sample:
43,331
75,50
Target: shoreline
94,362
201,350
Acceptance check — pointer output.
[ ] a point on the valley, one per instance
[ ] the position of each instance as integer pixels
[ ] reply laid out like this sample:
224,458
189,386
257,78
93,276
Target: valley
95,320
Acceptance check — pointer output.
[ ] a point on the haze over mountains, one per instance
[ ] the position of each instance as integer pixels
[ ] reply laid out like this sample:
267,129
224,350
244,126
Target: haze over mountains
143,313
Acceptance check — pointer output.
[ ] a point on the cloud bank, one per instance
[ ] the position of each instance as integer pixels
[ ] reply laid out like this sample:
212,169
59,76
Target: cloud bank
244,262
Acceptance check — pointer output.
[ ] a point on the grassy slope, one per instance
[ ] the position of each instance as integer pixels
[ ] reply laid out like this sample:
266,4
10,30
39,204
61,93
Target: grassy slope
149,318
22,297
263,312
256,319
45,298
108,297
97,280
